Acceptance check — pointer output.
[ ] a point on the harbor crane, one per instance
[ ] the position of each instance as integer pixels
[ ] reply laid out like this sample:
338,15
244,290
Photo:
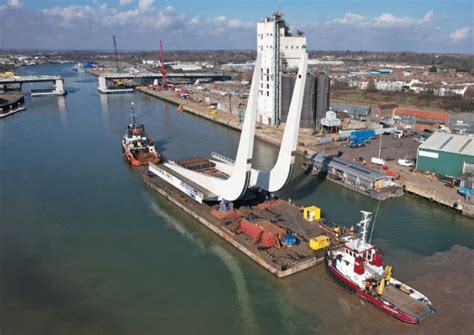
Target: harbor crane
117,63
163,69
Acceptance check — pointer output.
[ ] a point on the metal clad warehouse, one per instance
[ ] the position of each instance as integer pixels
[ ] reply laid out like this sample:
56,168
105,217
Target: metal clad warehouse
446,154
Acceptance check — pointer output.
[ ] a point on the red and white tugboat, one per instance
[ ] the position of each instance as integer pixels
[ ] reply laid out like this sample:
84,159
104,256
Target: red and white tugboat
358,266
137,148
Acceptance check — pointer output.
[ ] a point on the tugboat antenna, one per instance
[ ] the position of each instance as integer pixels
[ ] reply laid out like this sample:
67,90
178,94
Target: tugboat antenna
133,117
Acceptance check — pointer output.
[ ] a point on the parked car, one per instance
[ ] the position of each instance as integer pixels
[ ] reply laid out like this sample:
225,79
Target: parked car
406,162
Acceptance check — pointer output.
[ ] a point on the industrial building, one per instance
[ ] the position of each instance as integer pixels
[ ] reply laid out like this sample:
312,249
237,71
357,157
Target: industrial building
355,111
420,119
281,50
446,154
357,177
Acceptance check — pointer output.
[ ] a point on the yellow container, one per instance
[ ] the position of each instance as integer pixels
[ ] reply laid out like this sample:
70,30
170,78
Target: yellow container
311,213
213,112
319,242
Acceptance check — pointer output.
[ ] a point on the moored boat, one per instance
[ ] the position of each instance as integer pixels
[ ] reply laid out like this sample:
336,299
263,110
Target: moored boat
358,267
137,148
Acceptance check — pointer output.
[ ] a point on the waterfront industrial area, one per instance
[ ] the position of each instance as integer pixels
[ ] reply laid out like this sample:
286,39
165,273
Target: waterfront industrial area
275,153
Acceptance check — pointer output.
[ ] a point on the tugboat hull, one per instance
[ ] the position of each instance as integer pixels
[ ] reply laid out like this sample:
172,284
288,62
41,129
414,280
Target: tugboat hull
385,306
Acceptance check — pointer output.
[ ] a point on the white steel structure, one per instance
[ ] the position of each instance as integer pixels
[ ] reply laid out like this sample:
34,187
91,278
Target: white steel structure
274,179
280,49
234,187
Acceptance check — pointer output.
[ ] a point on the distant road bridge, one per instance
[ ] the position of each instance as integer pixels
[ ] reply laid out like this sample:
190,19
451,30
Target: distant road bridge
57,80
191,76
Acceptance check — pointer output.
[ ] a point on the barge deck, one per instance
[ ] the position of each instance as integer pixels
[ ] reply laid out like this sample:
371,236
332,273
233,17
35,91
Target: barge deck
282,261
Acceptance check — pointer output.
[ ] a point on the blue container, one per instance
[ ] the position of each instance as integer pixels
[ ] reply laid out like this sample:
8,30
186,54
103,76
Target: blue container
362,135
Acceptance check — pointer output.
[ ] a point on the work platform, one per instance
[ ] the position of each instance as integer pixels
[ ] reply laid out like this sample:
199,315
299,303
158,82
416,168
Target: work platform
283,261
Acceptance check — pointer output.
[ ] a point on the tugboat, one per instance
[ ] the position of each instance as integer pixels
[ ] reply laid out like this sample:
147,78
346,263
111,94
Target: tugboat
137,148
358,267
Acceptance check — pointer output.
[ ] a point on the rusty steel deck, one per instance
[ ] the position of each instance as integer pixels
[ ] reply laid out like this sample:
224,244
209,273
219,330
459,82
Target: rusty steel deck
281,262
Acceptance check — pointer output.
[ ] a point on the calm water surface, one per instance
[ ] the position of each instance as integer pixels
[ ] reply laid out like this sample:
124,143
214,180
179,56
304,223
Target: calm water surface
86,248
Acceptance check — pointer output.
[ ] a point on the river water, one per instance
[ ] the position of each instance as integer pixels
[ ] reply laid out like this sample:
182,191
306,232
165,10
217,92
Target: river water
86,248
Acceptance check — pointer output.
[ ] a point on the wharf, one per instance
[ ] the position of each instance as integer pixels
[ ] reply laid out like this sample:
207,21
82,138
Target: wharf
11,104
436,192
280,262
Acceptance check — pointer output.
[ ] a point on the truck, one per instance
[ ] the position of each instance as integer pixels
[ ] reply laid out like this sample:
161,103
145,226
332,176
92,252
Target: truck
362,135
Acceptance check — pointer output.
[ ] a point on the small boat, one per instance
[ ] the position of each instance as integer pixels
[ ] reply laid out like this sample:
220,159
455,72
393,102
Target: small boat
180,108
79,67
358,267
137,148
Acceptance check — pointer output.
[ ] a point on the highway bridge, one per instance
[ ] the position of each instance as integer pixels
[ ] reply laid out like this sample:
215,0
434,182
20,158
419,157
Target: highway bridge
57,80
150,76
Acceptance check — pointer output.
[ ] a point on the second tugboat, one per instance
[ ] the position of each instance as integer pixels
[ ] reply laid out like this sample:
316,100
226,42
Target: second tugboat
137,148
358,266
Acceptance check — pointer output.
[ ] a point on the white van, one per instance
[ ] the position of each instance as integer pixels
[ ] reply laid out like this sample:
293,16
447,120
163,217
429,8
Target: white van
378,161
405,162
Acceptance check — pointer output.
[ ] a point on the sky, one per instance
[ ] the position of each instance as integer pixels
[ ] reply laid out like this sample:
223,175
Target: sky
373,25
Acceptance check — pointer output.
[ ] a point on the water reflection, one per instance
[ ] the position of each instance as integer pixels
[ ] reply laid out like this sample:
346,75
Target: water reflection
62,109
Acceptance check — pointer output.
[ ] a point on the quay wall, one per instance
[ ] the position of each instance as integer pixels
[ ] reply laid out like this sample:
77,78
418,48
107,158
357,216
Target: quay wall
440,197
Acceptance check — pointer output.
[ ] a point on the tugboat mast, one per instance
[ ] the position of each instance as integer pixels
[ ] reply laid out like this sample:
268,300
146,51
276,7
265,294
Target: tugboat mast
133,116
364,227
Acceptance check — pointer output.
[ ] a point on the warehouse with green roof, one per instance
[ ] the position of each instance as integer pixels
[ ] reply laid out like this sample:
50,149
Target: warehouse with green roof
446,154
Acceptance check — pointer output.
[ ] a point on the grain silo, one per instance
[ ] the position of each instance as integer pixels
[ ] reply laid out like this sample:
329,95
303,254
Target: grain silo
322,95
308,111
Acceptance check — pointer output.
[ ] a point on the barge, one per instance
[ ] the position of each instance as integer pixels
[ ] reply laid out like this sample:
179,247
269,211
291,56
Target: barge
280,260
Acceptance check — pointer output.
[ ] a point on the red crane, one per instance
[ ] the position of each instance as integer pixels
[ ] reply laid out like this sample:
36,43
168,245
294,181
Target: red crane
163,69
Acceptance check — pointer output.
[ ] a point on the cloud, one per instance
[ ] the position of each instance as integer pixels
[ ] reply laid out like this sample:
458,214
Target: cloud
389,20
143,5
137,26
428,17
385,20
126,2
141,23
460,34
383,32
350,18
14,3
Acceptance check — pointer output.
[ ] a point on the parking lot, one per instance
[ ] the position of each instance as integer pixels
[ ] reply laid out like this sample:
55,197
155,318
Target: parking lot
392,149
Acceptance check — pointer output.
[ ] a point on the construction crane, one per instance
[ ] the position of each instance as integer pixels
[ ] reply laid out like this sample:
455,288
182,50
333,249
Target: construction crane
117,64
163,69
